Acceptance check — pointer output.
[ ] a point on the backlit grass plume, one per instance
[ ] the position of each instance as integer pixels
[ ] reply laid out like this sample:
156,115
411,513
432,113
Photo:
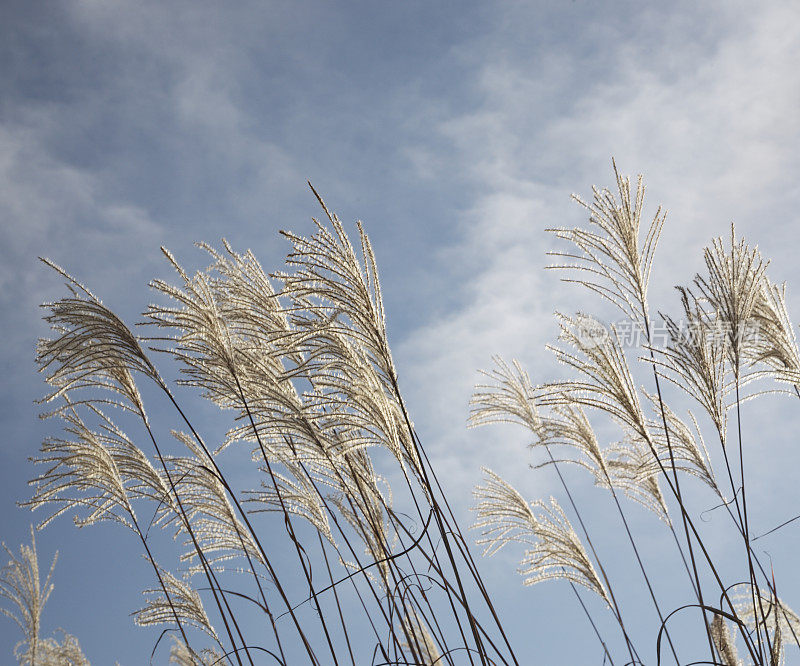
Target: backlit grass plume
22,588
288,521
555,551
295,517
610,256
610,415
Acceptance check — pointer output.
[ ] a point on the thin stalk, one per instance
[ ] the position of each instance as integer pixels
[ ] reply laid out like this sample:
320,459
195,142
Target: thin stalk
246,520
263,597
461,595
336,598
212,582
641,567
445,584
160,581
680,552
616,610
689,523
286,517
464,550
376,559
591,621
571,584
766,578
440,521
377,530
374,527
441,635
746,525
361,568
676,489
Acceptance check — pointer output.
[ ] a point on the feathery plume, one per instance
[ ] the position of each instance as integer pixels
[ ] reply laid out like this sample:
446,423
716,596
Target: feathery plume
556,551
732,289
295,494
504,516
98,471
510,399
605,382
777,654
774,342
633,469
66,652
201,340
788,621
21,584
725,641
333,283
185,603
182,655
423,643
559,552
212,517
689,451
567,426
611,254
94,348
694,359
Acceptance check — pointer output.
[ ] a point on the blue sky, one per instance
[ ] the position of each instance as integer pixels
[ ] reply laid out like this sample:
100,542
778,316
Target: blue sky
456,132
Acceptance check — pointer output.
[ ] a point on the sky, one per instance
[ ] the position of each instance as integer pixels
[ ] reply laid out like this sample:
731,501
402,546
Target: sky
456,132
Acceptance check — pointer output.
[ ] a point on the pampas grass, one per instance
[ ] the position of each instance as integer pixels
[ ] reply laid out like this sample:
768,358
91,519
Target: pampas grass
299,364
734,331
329,562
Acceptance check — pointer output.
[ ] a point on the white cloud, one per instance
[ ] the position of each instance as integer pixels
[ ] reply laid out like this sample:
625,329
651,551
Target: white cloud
54,208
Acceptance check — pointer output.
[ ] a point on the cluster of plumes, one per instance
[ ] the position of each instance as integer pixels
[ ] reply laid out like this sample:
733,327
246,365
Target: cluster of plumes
21,586
301,362
734,329
300,359
557,418
556,551
307,370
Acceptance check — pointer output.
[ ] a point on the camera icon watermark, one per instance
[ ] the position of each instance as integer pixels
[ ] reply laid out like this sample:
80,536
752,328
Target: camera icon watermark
590,332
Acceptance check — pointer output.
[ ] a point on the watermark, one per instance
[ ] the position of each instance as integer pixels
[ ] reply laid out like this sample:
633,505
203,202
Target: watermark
591,332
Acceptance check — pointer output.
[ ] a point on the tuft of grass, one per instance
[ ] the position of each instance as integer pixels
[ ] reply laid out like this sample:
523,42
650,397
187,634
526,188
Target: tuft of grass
734,331
305,540
290,544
